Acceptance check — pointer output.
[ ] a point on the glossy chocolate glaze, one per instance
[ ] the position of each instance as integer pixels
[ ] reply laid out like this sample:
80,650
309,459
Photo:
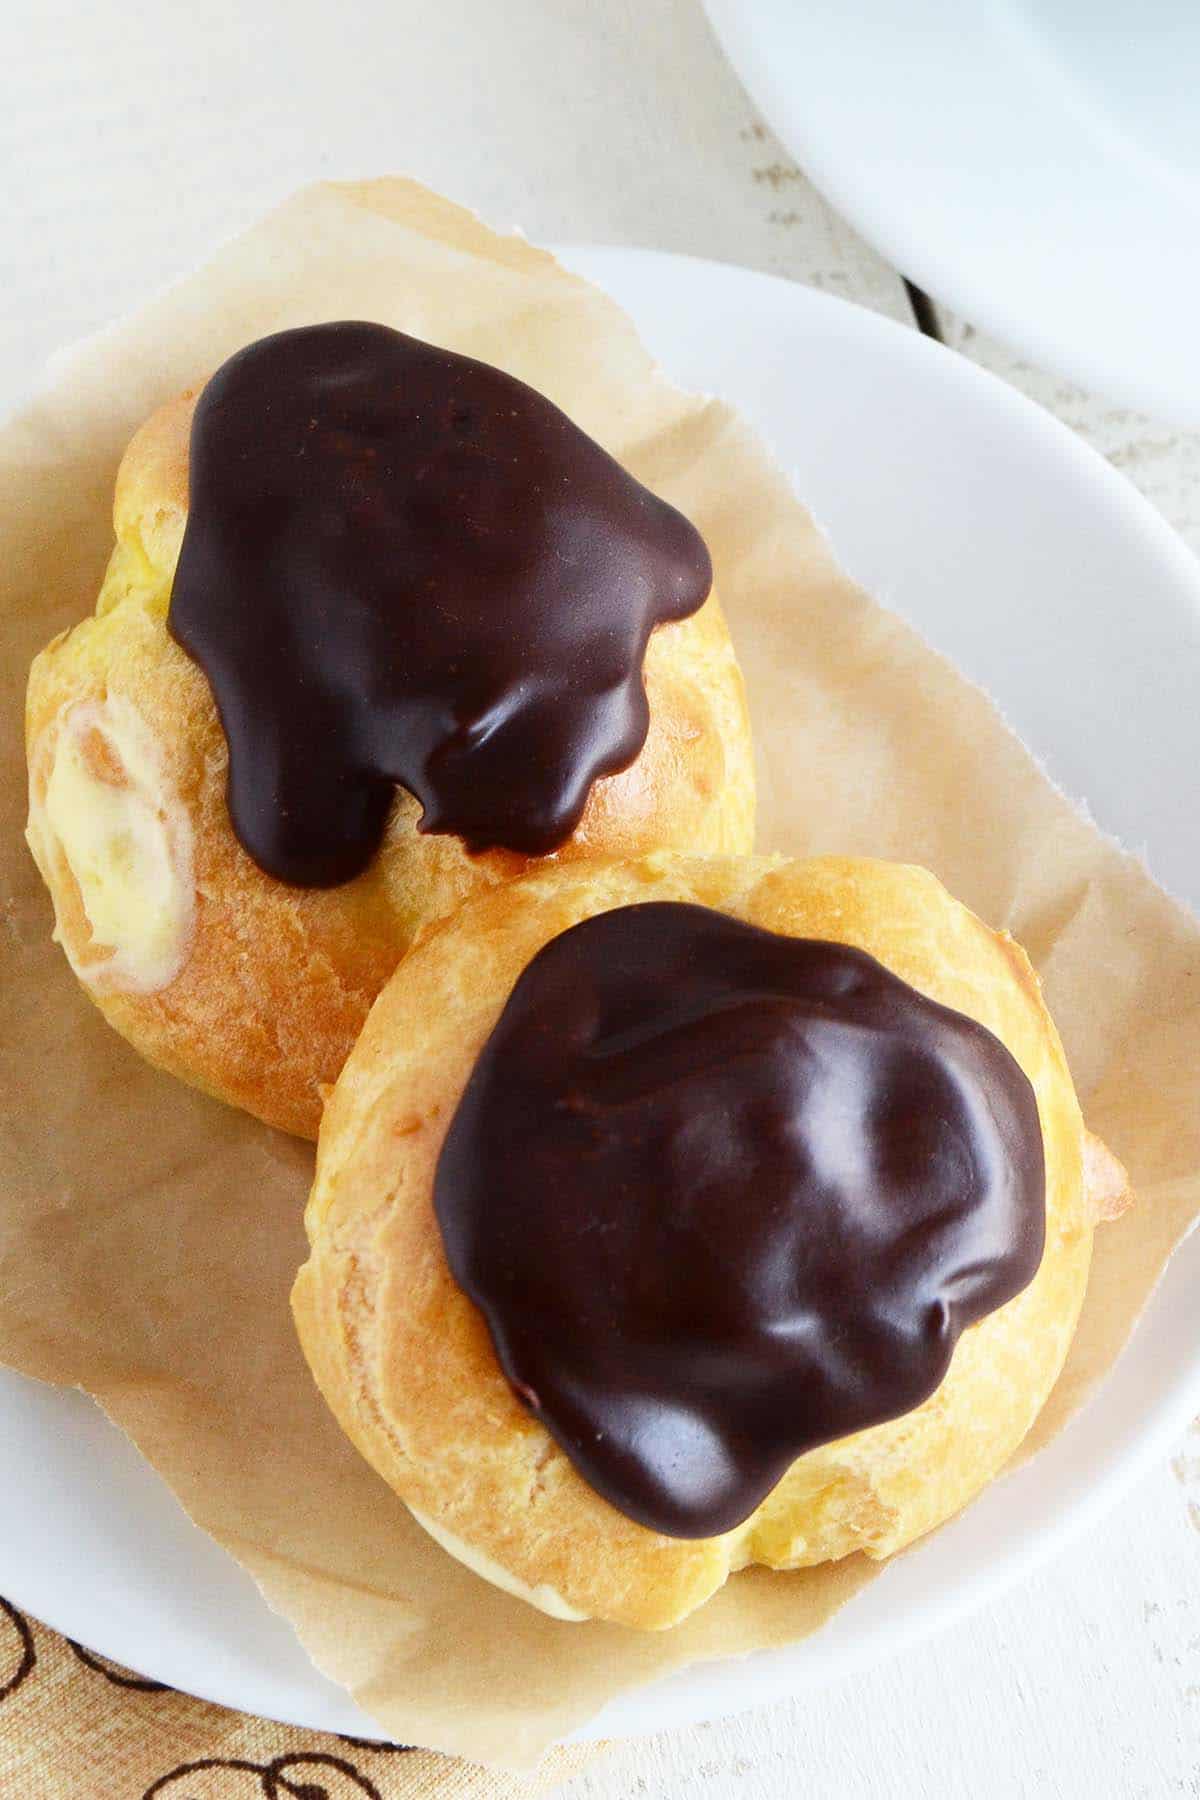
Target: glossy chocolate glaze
403,567
723,1196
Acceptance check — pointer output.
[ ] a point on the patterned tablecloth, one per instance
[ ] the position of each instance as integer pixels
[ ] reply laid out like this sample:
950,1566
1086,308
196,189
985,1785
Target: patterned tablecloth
73,1724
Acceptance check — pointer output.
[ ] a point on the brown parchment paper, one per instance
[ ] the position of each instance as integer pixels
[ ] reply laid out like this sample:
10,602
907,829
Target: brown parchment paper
148,1237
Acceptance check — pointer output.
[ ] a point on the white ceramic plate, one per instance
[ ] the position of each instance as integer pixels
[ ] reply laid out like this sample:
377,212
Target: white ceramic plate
995,530
1033,163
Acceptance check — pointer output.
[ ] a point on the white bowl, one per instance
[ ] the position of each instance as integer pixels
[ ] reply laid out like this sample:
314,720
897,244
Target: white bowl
1033,163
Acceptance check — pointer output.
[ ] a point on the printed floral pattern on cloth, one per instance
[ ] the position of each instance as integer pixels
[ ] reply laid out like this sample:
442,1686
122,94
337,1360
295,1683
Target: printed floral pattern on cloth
72,1723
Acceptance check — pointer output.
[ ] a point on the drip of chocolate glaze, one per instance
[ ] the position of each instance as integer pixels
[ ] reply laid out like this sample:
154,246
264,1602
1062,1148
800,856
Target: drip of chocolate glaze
405,568
723,1196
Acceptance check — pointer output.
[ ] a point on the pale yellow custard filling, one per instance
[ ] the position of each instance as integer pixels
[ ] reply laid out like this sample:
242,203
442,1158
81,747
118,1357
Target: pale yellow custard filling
106,810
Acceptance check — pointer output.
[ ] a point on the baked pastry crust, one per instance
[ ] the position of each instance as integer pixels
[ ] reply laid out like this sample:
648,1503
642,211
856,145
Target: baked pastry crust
405,1360
263,988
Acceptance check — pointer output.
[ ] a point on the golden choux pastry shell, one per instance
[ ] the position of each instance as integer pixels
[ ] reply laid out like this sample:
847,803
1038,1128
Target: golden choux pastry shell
250,989
405,1359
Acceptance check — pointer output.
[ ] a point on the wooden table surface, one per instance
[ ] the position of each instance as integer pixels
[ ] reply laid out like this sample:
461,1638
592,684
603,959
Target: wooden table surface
132,137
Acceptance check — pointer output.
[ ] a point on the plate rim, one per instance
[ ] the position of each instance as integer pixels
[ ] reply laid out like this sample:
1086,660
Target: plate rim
1049,342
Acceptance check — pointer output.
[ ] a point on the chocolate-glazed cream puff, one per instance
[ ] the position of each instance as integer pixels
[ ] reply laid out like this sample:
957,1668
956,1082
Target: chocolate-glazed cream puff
677,1214
381,630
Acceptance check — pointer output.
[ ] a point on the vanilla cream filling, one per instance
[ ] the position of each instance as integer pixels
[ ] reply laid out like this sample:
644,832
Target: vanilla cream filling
108,812
545,1598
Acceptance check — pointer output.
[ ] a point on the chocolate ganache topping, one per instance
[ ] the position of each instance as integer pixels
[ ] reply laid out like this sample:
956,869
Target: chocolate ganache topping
723,1196
404,567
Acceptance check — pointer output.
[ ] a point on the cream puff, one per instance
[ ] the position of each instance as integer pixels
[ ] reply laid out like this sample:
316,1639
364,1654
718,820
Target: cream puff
382,629
678,1214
